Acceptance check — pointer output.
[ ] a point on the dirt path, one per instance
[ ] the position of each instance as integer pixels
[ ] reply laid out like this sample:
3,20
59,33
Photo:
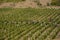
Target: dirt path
19,5
27,4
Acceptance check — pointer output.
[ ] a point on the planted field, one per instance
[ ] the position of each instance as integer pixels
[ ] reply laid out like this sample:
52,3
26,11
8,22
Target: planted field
29,24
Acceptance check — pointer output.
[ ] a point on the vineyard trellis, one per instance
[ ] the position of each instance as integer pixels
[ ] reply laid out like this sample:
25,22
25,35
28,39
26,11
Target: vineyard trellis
29,24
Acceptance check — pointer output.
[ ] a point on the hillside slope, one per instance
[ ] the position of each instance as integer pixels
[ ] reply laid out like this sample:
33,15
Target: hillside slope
29,24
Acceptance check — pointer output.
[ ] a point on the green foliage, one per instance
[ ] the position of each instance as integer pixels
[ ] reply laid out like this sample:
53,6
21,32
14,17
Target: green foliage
38,2
55,2
28,23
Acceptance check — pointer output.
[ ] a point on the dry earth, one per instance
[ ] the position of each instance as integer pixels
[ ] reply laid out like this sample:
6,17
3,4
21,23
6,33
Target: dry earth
27,4
19,4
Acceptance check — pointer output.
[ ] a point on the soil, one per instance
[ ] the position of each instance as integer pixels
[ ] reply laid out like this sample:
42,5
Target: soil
27,4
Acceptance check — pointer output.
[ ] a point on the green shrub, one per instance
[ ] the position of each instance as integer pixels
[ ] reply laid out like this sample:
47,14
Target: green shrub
55,2
38,2
48,4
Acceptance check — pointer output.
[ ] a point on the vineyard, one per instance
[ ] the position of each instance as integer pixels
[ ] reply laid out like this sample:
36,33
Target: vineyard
29,24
